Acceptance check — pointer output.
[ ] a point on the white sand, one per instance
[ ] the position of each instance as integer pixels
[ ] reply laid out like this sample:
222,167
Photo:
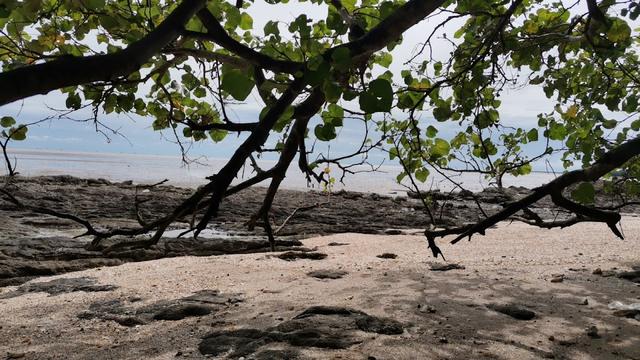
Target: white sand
512,263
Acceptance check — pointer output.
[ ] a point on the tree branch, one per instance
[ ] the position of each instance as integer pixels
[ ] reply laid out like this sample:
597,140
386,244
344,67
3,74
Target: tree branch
217,34
611,160
71,71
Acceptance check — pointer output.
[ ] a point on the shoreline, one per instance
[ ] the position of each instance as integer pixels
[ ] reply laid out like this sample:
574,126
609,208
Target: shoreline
143,168
33,245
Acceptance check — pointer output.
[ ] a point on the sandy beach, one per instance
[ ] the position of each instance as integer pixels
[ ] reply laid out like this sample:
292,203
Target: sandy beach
258,300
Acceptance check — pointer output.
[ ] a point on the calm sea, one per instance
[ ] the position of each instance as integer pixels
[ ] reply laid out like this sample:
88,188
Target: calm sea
152,168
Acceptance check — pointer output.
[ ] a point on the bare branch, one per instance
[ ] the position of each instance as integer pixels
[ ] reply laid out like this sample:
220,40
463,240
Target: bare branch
611,160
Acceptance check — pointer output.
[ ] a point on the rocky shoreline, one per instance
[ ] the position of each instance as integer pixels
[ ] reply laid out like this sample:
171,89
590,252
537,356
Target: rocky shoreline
33,245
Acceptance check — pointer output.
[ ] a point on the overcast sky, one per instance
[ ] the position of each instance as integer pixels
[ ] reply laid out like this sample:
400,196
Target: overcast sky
519,107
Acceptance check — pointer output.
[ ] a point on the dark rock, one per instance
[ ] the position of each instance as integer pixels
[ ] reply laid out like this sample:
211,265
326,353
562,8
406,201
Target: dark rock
277,354
633,275
379,325
27,258
312,337
181,311
628,313
327,310
318,326
327,274
387,256
605,273
597,271
566,342
445,267
333,243
124,320
212,297
199,304
60,286
296,255
15,355
428,309
513,310
128,321
241,342
393,232
592,332
584,301
363,321
557,278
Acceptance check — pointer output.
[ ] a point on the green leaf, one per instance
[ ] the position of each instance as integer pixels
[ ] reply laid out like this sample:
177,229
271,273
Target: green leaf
440,148
378,98
437,67
341,58
393,153
422,174
318,71
7,121
584,193
217,135
431,131
325,132
486,118
200,92
609,124
385,59
332,91
271,28
95,4
619,31
126,102
246,22
284,119
349,5
19,133
442,113
73,101
236,83
233,17
333,116
557,131
4,11
631,104
159,124
190,81
532,135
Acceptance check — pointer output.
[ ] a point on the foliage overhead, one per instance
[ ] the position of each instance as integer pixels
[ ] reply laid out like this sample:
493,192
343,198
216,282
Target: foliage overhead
186,65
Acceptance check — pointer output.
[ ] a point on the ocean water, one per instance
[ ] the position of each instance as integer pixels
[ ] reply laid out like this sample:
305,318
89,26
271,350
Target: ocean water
151,168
